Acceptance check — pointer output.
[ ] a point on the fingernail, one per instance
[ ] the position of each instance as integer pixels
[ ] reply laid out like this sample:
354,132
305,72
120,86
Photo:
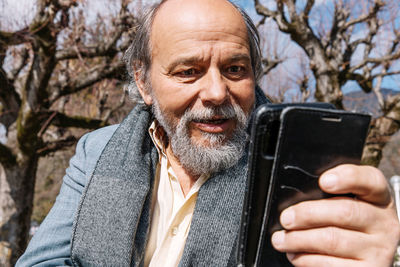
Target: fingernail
287,217
278,238
290,256
329,181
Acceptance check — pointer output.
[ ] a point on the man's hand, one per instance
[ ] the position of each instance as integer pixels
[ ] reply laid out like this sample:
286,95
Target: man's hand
342,231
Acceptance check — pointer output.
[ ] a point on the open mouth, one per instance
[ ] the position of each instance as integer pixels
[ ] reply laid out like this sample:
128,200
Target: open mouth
214,125
211,121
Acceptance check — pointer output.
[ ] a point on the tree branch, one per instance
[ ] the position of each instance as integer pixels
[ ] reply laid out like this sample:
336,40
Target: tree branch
47,12
110,112
8,94
89,78
7,158
14,38
50,147
24,55
376,61
389,73
392,102
44,31
291,6
264,11
9,99
270,64
46,124
277,16
309,6
363,81
63,120
377,88
122,23
372,14
86,52
367,40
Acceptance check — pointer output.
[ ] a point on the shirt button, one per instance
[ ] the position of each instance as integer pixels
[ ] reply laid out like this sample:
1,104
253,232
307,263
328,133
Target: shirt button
174,230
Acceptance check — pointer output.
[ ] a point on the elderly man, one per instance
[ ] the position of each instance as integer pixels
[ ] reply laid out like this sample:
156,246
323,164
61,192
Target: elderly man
166,186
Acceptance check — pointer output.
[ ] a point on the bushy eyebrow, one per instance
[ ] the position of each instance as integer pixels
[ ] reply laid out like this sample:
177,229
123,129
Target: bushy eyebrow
183,61
238,57
195,59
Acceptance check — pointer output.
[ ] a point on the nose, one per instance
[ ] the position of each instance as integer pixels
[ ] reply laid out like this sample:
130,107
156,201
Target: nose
215,89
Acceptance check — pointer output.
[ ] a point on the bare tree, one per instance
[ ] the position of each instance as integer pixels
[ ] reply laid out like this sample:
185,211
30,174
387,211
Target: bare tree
42,66
360,43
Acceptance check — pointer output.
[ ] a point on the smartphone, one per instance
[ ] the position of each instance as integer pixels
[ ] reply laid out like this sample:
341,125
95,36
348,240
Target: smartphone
291,145
263,129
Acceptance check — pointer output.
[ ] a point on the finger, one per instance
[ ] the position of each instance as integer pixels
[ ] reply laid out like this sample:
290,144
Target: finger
366,182
331,241
341,212
302,259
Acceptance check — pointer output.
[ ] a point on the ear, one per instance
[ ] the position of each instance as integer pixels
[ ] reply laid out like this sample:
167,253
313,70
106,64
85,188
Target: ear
141,85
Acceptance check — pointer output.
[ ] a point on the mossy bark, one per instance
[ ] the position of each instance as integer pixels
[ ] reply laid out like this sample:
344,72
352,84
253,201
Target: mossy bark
16,197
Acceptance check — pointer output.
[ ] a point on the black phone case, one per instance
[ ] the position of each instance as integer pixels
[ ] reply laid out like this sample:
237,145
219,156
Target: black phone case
296,142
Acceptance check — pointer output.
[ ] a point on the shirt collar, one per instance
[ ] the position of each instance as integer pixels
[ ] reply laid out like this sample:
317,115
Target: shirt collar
159,138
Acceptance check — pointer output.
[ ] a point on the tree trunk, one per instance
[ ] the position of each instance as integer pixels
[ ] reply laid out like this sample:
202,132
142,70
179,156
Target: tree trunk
16,198
328,89
382,129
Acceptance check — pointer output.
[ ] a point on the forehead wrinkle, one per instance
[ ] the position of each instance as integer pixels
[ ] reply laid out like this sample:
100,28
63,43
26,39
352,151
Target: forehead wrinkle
186,54
236,43
207,35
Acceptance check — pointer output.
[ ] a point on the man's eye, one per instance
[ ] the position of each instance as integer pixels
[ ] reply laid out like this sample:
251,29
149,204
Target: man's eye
236,72
187,75
189,72
235,69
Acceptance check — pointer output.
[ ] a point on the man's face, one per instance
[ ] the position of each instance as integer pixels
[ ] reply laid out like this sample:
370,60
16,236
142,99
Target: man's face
200,61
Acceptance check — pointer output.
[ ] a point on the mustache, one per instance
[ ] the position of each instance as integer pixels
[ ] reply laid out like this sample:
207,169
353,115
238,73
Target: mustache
205,114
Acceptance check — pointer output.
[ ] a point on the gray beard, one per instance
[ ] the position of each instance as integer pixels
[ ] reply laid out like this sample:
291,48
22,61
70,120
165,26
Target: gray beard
221,152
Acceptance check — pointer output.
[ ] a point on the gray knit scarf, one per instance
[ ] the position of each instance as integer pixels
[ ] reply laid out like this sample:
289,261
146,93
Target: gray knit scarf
113,218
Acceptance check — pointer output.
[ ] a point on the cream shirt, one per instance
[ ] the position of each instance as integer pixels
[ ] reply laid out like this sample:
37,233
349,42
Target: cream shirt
172,210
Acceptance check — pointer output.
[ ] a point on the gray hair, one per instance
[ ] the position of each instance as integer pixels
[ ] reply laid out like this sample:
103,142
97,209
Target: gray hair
138,55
